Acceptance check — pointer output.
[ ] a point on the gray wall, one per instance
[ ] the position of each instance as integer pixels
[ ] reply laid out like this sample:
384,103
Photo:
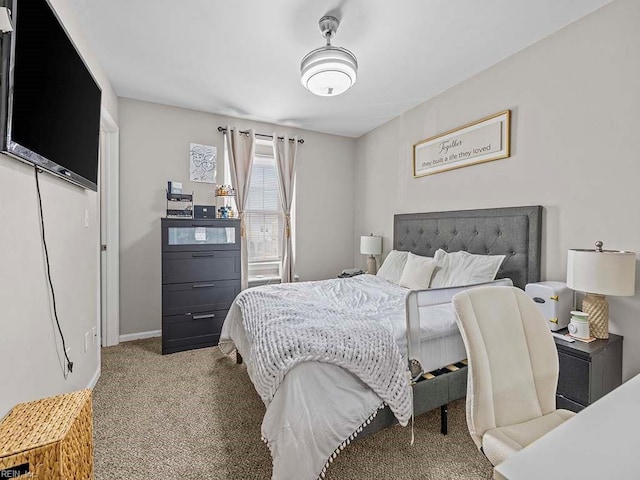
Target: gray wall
29,344
575,103
154,148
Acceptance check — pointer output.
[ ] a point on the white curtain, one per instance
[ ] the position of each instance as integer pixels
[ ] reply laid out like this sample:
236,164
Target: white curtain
241,149
286,152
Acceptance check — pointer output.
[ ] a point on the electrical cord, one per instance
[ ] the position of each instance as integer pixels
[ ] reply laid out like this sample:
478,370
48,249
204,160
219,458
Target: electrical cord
46,257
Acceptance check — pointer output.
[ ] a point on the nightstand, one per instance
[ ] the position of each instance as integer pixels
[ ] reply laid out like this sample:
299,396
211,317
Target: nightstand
588,371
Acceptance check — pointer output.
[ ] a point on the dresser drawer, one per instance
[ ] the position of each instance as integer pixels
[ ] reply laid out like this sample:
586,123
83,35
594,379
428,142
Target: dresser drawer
566,404
574,378
182,332
179,235
193,267
198,297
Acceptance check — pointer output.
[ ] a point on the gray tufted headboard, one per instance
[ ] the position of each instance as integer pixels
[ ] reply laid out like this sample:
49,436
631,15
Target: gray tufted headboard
513,231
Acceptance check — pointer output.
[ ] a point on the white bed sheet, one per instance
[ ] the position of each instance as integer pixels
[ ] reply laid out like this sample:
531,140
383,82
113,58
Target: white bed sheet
319,405
437,352
440,340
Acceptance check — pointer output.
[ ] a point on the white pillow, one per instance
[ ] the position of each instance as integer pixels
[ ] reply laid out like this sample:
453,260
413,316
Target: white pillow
463,268
417,272
393,266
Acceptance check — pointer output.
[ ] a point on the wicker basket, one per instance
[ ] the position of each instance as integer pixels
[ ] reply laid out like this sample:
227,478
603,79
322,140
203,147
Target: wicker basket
49,439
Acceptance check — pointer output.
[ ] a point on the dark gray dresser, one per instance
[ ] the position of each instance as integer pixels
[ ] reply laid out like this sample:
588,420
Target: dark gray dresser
588,371
200,279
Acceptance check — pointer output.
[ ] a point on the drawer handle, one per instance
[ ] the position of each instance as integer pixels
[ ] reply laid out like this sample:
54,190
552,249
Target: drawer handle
202,317
199,255
203,285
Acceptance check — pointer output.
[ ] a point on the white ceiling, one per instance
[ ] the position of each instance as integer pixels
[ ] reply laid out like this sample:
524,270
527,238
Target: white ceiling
242,58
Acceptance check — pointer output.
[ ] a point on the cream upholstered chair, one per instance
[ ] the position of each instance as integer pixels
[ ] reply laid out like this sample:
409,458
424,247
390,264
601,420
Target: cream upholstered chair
513,370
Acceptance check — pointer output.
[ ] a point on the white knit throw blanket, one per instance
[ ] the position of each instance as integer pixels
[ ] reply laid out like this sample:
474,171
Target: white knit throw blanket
288,326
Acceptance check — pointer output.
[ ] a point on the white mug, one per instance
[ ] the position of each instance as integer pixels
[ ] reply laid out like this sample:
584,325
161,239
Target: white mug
579,325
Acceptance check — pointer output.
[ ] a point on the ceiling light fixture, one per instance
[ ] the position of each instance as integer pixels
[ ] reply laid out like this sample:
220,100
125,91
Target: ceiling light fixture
328,71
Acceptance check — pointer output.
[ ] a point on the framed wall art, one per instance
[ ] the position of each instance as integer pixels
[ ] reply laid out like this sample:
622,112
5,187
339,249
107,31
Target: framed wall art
202,163
477,142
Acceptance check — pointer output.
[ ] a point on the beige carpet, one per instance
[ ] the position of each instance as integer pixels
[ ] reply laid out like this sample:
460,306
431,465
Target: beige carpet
195,415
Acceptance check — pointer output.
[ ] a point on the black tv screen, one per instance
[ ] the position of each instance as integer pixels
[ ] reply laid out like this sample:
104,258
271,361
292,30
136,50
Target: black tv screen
52,105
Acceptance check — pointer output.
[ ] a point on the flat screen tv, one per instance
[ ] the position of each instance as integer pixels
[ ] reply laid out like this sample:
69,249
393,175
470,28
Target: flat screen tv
50,103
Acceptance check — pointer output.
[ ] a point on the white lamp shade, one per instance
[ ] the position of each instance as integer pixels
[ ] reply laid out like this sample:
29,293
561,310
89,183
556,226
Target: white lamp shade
610,272
329,71
370,245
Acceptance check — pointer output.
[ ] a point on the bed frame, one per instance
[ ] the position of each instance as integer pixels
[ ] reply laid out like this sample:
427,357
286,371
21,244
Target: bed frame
514,231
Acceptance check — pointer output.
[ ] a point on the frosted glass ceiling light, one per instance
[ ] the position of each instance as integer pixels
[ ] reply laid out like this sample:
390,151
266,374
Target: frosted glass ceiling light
328,71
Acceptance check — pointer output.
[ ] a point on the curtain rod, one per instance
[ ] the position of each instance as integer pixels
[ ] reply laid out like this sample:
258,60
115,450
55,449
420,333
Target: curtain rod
246,132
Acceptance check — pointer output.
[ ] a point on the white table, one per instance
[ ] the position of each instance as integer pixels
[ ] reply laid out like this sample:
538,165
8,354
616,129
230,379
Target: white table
600,442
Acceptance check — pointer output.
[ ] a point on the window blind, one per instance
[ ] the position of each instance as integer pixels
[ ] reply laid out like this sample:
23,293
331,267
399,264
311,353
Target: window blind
263,216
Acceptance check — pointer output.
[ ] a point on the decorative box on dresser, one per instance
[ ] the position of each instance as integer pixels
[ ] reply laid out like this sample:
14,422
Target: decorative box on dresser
200,279
588,371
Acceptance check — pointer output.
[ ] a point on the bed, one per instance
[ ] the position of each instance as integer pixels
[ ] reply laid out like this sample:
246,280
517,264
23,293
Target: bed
319,407
512,231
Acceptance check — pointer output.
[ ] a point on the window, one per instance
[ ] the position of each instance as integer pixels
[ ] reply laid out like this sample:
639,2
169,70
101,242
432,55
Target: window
264,221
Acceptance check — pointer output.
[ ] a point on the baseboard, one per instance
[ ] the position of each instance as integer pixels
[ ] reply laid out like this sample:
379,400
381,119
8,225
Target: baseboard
94,379
139,336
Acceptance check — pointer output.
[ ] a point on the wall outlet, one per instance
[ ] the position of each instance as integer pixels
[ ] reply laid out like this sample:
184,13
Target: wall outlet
86,218
86,342
94,331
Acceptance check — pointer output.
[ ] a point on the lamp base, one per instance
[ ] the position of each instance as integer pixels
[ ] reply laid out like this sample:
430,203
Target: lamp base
372,267
598,309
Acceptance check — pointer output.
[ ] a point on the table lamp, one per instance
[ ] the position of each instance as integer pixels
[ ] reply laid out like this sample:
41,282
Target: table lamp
371,245
598,273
